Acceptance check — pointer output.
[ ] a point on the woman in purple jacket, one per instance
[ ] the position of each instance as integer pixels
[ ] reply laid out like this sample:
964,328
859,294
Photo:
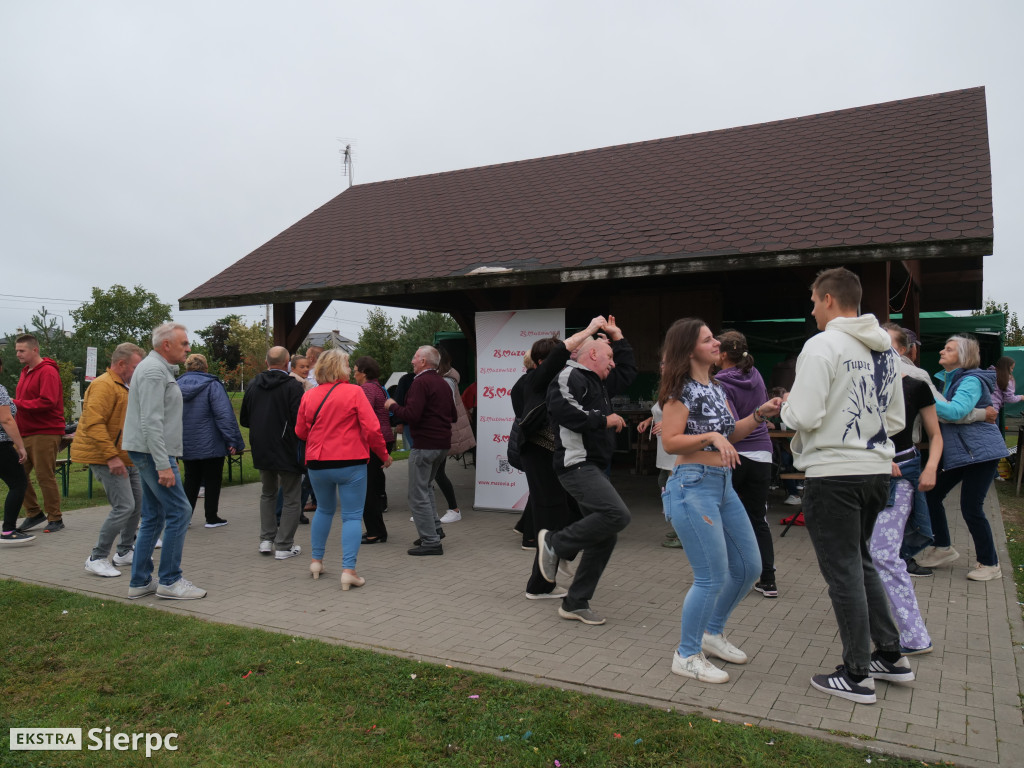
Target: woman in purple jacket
745,390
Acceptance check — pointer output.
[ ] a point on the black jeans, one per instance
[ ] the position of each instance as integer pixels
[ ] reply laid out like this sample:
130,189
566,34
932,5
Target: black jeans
750,480
209,474
840,513
976,479
604,515
13,475
446,486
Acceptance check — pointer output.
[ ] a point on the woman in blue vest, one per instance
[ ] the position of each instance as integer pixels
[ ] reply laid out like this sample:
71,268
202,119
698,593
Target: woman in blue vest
970,455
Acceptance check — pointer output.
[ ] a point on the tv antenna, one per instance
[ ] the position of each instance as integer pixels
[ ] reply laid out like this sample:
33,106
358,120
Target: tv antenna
347,167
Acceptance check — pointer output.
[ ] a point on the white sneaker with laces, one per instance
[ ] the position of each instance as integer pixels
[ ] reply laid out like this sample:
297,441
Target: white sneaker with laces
451,516
182,589
985,572
792,500
284,554
124,559
266,547
101,568
720,647
933,557
698,668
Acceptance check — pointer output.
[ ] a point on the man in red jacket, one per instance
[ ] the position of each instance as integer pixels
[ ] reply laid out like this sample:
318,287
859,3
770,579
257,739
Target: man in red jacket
429,411
40,418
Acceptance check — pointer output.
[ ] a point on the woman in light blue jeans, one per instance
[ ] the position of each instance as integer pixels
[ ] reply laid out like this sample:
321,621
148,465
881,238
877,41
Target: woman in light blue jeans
350,484
699,427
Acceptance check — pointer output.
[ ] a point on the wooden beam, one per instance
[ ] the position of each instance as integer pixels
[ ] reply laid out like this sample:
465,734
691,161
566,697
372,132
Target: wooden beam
874,281
293,337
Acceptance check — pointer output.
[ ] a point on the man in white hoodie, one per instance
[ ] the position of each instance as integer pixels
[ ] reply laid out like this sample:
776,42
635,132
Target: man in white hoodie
845,402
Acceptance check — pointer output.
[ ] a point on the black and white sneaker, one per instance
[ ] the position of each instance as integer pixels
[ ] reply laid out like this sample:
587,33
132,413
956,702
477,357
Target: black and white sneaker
547,560
900,672
839,684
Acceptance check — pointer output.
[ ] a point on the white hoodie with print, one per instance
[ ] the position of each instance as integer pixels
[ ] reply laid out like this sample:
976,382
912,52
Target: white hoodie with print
846,401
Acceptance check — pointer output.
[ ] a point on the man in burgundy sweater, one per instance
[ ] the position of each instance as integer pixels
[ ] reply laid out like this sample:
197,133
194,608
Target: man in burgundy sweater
40,400
429,411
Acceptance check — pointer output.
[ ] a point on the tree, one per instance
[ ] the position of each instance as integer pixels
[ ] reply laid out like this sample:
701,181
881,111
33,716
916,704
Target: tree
379,340
54,341
251,342
1013,336
416,331
217,341
118,315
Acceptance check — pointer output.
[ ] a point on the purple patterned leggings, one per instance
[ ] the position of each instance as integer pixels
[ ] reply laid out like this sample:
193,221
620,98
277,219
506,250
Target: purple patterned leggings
892,570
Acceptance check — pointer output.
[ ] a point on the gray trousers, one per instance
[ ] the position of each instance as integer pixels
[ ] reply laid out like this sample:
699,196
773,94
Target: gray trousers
124,492
423,466
604,515
290,483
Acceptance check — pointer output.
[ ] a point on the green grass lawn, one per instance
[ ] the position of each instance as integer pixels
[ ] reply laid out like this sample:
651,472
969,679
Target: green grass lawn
243,697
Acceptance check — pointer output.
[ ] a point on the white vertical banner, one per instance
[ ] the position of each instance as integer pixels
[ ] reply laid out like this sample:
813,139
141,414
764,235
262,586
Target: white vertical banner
502,339
90,363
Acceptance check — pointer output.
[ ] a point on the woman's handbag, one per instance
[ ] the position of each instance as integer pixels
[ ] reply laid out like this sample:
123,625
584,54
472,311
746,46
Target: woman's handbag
301,450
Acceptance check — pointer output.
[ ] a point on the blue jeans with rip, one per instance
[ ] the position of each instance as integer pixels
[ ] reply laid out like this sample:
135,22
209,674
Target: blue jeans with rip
348,483
719,540
164,508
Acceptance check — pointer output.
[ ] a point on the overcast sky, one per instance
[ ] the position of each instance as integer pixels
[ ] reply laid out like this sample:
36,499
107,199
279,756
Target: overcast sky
157,143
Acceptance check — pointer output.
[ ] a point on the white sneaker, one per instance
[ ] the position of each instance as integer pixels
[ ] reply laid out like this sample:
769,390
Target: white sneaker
266,547
556,593
124,559
451,516
101,568
182,589
720,647
932,557
792,500
698,668
159,543
985,572
284,554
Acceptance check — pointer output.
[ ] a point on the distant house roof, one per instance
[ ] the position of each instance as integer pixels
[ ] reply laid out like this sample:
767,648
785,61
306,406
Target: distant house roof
336,340
907,179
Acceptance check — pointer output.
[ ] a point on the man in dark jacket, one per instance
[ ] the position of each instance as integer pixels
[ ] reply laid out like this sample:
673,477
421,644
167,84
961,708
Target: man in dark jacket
580,413
269,409
429,411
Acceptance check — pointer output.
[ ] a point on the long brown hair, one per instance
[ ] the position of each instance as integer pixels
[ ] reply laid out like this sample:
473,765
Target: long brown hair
1004,369
680,341
734,345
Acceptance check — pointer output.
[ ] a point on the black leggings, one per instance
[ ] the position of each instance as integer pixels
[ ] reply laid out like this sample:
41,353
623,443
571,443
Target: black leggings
446,486
13,475
750,480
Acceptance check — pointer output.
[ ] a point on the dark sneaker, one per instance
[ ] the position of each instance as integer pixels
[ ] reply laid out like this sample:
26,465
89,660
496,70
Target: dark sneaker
898,672
547,560
419,542
839,684
915,651
585,615
917,570
767,588
56,525
217,522
421,550
32,522
14,538
557,592
303,520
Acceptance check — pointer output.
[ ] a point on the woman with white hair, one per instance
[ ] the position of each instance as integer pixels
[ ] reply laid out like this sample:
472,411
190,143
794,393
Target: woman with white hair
970,455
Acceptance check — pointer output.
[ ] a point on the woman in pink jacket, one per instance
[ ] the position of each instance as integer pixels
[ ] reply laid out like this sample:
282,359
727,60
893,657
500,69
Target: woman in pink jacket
340,429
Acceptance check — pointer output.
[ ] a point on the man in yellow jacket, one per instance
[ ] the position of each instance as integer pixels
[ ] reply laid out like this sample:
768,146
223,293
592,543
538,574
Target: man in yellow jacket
98,444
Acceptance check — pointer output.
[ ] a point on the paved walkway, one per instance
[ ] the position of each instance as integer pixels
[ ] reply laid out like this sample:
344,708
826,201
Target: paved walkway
467,609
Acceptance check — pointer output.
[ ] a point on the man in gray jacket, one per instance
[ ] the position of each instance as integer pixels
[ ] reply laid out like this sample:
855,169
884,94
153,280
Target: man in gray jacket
152,437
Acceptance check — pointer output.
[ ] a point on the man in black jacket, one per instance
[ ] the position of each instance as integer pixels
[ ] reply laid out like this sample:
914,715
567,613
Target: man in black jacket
269,409
580,412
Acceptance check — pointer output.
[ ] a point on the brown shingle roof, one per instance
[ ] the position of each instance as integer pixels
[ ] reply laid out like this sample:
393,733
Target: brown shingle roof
905,172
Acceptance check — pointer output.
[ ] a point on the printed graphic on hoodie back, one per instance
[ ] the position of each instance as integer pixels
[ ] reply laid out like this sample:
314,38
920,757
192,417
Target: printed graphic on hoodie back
871,390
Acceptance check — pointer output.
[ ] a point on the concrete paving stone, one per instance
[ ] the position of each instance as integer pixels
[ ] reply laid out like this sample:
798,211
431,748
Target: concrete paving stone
467,609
